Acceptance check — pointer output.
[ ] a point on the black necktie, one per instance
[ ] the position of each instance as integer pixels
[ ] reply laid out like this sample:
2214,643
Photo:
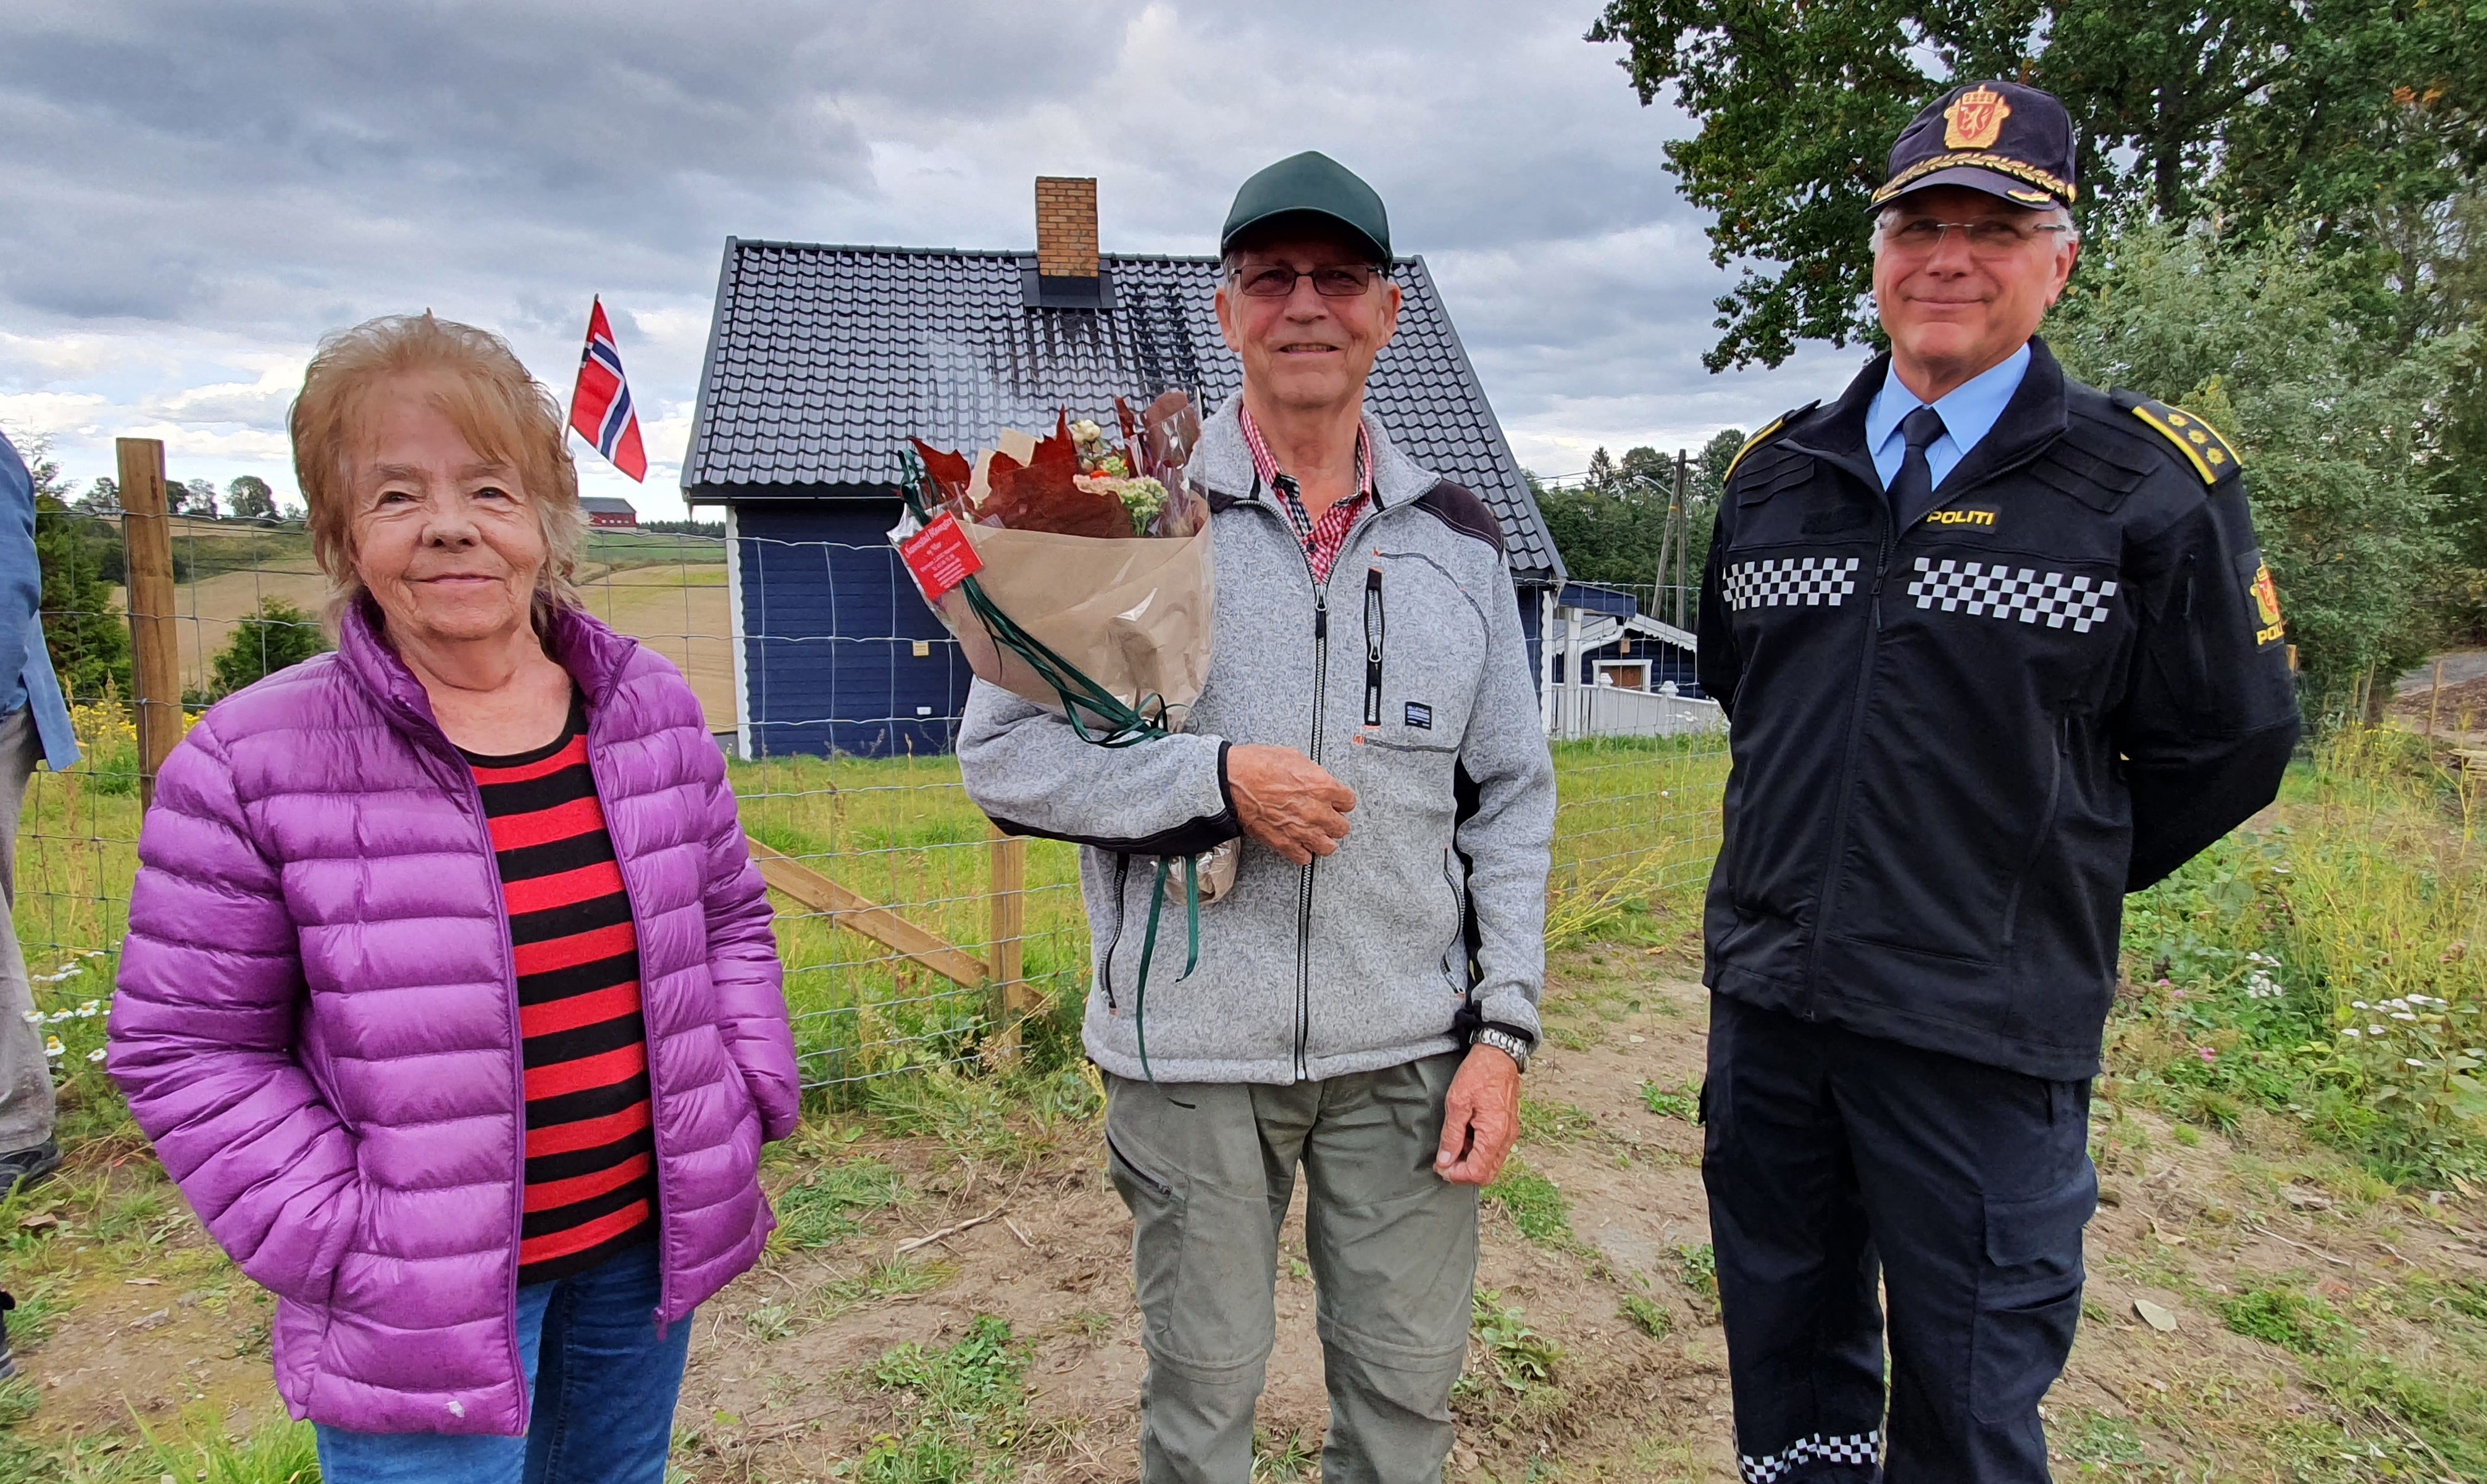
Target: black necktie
1912,488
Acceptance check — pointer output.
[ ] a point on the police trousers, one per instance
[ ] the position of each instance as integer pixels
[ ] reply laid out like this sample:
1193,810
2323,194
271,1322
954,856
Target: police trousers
1208,1170
1833,1159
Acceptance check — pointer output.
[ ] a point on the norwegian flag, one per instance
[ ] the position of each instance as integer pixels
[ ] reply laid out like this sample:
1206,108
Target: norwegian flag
599,405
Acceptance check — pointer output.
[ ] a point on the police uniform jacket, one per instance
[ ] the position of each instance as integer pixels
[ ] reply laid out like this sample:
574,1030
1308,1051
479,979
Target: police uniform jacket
1958,741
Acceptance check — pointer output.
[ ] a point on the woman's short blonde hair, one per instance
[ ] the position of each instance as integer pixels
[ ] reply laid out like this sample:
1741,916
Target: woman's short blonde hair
480,385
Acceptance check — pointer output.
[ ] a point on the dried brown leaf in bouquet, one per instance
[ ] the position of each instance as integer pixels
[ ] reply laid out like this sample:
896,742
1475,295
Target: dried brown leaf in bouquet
1043,493
951,473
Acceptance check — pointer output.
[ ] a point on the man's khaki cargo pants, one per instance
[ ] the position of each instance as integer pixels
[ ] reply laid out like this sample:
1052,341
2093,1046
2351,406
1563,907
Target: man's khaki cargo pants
1208,1170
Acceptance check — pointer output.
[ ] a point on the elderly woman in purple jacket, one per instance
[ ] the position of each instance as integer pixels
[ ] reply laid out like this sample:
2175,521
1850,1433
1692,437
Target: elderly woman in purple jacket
450,996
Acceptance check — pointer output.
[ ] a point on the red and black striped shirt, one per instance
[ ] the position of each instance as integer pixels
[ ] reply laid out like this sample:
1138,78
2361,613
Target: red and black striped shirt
591,1187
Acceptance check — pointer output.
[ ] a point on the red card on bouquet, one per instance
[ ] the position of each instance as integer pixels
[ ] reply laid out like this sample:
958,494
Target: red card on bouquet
940,556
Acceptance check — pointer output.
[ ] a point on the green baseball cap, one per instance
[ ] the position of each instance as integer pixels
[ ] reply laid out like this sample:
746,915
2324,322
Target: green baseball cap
1310,184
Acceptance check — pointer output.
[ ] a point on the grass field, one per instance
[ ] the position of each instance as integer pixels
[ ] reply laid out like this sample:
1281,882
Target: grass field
1636,827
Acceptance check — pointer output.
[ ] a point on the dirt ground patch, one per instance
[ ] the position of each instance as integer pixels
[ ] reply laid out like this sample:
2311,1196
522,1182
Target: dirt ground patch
144,1319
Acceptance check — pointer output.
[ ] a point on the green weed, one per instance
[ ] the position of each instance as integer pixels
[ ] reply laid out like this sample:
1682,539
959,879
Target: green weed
2088,1437
2284,1316
1554,1123
1536,1206
1699,1269
1522,1359
1279,1460
824,1208
884,1280
771,1323
1683,1103
1648,1315
958,1400
19,1399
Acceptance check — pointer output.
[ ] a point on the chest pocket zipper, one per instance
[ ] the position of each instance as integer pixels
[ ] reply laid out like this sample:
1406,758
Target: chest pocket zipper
1374,619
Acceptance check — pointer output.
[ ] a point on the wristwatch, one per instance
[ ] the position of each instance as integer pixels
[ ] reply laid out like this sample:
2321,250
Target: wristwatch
1504,1041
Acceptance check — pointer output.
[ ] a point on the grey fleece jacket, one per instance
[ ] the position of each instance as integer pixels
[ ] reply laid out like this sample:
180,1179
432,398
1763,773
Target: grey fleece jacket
1406,675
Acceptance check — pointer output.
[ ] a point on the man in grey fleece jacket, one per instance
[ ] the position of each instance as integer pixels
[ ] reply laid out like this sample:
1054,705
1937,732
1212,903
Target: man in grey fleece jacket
1367,993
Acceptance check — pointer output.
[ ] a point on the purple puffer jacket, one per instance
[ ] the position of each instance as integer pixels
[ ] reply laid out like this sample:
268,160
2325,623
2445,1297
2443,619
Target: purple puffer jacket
318,1024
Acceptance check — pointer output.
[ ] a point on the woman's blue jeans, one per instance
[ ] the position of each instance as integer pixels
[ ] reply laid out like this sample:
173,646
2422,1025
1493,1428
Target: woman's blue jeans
604,1383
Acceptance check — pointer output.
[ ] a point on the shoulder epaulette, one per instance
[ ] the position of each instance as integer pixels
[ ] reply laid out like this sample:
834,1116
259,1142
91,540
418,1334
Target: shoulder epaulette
1765,435
2198,440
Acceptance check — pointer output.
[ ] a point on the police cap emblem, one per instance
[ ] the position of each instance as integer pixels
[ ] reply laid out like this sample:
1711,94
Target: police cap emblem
1996,136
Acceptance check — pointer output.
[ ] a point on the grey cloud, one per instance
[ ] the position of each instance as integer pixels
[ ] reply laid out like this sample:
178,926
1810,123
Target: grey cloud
260,171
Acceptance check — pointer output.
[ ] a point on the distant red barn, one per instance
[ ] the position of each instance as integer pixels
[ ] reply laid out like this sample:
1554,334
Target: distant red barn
609,512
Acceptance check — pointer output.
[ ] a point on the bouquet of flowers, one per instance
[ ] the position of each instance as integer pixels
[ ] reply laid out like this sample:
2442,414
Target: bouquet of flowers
1074,570
1075,573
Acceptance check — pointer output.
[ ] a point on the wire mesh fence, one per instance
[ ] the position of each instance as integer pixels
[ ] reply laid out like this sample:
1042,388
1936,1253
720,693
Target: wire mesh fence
913,936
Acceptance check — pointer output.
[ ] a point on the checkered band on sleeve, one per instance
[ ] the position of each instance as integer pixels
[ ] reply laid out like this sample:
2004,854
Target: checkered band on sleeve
1992,590
1791,581
1863,1448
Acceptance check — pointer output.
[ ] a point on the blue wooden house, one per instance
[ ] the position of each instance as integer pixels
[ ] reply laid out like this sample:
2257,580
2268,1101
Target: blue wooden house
823,360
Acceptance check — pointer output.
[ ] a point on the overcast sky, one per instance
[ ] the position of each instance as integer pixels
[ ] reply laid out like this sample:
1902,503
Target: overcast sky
191,194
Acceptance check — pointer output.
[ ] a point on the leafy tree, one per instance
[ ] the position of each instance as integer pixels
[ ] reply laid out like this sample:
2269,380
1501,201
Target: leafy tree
251,499
84,628
198,498
2261,108
2341,426
101,498
276,635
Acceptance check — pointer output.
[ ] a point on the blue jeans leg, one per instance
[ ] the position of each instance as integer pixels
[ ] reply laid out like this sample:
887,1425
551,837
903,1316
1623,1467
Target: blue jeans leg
603,1385
606,1390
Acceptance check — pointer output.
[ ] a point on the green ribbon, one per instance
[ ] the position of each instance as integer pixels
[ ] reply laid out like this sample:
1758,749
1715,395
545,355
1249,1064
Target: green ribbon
1117,724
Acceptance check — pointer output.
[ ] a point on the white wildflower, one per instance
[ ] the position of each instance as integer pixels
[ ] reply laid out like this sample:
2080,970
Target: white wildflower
53,1047
96,1056
2377,1030
2403,1014
2360,1004
2411,1061
2354,1033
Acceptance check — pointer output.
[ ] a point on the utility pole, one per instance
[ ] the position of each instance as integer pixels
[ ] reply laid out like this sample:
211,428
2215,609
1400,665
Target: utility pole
1680,516
1666,545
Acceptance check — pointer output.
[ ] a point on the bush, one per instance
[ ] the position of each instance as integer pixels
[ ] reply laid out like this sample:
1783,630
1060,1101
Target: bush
2323,971
278,635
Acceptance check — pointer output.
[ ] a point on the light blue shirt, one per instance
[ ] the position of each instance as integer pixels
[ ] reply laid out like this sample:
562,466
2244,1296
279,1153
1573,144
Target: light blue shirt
1968,412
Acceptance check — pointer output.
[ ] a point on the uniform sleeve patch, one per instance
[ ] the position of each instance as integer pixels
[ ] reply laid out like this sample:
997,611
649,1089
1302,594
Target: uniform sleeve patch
2198,440
2263,594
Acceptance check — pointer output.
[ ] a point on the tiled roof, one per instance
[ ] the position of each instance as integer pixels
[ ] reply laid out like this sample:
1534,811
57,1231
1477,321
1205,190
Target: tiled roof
823,360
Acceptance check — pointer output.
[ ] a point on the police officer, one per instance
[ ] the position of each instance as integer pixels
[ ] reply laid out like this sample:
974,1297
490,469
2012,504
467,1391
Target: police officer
1996,648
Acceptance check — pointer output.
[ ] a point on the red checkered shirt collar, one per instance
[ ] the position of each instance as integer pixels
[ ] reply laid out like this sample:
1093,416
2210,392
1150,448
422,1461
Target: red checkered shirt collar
1322,538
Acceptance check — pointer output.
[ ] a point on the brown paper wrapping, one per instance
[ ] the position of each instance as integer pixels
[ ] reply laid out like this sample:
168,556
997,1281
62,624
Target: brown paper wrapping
1134,615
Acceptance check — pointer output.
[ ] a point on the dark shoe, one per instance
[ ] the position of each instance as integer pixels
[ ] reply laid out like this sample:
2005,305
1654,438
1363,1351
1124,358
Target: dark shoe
7,1367
28,1166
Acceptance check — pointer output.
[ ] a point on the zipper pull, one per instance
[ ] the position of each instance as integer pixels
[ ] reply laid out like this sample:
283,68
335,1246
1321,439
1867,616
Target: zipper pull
1321,618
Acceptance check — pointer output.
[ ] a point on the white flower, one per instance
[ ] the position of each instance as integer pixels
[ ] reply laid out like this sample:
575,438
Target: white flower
96,1056
2263,958
2354,1033
53,1047
2377,1030
2411,1061
2403,1014
2360,1004
90,1010
33,1018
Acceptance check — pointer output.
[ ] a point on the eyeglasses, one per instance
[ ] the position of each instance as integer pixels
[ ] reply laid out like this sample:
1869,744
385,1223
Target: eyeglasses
1342,282
1989,237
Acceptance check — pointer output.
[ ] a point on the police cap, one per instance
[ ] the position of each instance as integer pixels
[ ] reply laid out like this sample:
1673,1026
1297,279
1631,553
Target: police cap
1999,137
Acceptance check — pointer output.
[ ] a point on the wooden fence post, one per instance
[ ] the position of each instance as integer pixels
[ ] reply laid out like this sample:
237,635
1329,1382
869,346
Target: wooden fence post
147,542
1006,900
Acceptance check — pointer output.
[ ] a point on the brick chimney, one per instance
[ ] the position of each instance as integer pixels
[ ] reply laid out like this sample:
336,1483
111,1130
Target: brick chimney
1066,225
